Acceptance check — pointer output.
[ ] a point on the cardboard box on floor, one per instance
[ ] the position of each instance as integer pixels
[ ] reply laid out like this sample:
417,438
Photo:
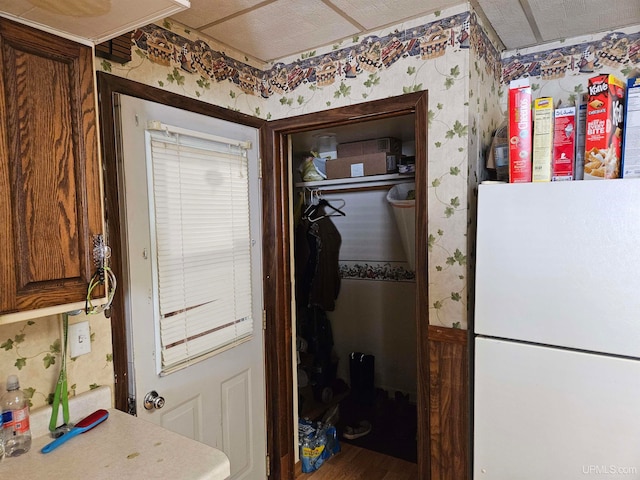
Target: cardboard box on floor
379,163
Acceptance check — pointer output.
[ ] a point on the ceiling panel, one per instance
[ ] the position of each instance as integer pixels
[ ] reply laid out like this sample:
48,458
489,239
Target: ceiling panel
282,28
570,18
510,22
205,12
97,21
15,7
372,14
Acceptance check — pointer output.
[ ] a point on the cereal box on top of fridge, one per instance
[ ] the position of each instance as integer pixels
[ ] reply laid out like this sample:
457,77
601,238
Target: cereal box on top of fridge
603,138
542,139
564,144
519,131
581,127
631,143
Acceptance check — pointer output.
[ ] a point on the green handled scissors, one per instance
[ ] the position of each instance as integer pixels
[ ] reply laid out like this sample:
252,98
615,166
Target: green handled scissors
61,395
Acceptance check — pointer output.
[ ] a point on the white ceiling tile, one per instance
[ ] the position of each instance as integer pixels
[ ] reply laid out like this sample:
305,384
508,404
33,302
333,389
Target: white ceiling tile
283,28
509,21
15,7
373,14
570,18
122,16
204,12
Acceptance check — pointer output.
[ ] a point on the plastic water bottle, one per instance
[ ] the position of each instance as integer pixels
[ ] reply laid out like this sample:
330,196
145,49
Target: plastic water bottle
1,439
15,419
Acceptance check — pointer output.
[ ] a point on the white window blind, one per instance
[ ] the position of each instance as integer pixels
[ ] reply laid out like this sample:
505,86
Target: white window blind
199,207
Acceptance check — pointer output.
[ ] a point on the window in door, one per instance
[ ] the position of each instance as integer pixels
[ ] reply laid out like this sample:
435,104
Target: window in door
200,242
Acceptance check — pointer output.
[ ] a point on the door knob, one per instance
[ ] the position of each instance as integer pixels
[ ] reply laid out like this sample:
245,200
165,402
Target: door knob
153,400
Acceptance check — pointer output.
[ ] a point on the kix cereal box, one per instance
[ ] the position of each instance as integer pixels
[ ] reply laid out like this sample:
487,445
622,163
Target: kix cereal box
519,131
603,138
564,144
542,139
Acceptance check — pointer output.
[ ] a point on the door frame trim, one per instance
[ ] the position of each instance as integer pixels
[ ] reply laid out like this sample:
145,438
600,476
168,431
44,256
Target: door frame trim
277,267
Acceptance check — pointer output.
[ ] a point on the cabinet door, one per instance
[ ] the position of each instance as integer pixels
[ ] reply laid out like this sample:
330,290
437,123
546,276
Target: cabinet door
50,207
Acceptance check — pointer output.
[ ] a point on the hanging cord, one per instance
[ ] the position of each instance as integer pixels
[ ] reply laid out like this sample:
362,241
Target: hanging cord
61,395
101,255
97,280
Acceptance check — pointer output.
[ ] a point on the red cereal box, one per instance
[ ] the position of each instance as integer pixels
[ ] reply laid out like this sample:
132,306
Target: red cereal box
603,139
564,144
519,131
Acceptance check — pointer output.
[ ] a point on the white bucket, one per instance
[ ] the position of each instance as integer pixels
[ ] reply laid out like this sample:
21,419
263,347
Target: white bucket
405,214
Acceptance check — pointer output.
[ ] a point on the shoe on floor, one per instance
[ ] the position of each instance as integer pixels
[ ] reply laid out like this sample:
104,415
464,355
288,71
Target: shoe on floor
363,428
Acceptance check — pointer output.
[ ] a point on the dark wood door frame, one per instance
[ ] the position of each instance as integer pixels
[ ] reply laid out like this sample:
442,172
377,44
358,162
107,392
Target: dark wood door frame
277,267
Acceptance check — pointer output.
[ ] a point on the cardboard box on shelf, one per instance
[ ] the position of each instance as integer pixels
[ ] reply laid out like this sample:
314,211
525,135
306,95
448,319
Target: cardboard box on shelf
542,139
379,163
603,138
519,131
564,144
631,143
387,144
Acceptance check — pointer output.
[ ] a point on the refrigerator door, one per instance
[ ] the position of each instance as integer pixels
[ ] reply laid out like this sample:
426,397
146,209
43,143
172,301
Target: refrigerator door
559,264
543,413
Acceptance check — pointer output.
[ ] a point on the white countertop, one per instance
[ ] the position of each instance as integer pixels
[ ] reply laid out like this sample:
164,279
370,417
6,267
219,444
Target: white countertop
121,447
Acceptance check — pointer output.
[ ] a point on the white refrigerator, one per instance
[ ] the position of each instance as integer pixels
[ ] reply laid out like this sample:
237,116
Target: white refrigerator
557,331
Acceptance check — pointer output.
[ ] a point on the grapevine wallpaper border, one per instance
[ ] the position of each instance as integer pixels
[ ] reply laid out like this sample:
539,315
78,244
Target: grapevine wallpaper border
617,51
379,271
364,58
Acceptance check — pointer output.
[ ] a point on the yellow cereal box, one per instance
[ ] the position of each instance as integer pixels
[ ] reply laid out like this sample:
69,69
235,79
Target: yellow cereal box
542,139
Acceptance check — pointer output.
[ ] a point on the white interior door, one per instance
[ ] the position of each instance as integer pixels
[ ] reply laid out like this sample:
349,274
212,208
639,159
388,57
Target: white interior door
220,400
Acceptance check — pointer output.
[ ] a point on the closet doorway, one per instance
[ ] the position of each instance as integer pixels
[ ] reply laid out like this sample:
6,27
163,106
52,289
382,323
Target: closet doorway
398,311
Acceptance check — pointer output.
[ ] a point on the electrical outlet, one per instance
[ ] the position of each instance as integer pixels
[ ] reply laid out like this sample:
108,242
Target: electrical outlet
79,339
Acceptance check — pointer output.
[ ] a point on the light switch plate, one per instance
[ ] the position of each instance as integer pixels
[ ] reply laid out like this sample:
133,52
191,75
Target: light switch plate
79,339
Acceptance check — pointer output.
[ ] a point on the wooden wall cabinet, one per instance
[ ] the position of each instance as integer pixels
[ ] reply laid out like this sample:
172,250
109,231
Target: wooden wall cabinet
50,204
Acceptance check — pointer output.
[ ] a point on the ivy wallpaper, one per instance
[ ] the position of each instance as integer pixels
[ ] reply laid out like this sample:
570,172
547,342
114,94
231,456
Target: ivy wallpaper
448,53
31,349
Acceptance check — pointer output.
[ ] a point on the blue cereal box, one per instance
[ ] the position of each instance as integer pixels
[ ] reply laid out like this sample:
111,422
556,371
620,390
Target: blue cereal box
631,140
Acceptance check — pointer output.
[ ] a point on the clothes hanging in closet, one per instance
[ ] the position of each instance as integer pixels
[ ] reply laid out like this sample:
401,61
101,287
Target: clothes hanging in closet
317,252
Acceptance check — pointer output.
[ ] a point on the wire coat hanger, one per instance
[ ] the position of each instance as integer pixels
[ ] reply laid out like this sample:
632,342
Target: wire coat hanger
321,207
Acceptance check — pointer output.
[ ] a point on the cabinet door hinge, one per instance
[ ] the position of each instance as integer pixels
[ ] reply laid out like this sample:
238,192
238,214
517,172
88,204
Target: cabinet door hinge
264,319
260,167
268,466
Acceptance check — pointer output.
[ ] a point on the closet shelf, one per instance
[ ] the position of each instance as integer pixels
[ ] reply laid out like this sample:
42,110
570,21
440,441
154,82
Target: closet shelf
370,180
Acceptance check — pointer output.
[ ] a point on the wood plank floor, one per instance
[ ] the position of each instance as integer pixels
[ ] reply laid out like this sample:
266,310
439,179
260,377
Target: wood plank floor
355,463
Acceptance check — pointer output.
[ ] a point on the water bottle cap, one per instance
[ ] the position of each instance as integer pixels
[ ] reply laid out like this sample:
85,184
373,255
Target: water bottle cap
12,382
